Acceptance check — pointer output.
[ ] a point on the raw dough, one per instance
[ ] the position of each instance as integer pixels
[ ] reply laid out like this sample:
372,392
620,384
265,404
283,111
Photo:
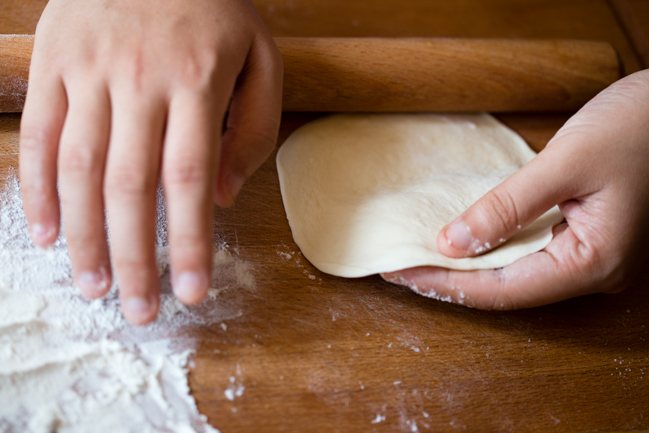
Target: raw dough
366,194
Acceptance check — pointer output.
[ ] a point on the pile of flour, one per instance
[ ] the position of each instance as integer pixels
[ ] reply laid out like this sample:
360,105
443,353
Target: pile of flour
68,364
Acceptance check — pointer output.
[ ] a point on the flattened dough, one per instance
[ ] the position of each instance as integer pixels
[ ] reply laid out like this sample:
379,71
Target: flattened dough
366,194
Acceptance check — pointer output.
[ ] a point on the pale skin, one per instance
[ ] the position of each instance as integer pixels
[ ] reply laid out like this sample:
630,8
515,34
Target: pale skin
123,93
596,168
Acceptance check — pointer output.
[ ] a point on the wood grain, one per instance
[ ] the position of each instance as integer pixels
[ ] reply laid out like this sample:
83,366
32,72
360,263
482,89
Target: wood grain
497,75
20,16
9,131
15,56
408,74
301,344
539,19
634,15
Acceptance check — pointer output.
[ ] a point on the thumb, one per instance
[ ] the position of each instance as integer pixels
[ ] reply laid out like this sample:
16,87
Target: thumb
511,206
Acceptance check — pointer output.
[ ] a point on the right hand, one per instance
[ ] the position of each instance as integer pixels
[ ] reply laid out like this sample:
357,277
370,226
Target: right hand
122,91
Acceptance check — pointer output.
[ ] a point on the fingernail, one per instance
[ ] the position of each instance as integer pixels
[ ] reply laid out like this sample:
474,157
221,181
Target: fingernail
234,184
459,235
190,286
137,307
93,284
40,234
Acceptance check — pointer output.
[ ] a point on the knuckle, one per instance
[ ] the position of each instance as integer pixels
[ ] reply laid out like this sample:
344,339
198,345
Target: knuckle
198,70
128,181
503,209
263,139
135,269
276,61
187,172
84,247
270,51
267,135
34,137
192,249
502,294
33,192
133,66
498,297
598,271
80,160
197,244
589,264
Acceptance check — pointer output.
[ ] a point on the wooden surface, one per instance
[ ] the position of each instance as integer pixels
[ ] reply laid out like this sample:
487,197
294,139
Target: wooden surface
560,19
634,18
443,74
15,56
407,74
319,353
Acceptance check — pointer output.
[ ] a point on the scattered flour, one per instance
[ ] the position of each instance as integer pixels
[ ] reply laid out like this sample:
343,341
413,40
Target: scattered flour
285,256
68,364
235,388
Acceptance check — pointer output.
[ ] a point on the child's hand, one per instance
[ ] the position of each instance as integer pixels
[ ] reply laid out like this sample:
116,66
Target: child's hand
597,169
123,91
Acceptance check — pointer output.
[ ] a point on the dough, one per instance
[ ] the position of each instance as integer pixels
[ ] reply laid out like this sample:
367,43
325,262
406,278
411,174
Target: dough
366,194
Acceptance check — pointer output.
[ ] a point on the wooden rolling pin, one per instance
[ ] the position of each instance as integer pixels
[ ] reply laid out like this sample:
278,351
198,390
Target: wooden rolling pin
375,74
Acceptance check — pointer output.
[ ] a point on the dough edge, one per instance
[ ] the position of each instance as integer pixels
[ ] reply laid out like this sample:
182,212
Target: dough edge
538,238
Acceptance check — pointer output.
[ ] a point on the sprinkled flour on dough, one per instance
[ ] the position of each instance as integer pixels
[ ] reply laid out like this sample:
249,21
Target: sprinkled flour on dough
72,365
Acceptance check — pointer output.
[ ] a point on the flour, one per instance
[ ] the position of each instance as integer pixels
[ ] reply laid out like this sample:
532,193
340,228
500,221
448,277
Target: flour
68,364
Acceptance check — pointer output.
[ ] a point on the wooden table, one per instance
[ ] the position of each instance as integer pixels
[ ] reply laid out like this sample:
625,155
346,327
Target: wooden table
319,353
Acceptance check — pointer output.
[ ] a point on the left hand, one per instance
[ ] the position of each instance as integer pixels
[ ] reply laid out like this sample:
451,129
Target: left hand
596,168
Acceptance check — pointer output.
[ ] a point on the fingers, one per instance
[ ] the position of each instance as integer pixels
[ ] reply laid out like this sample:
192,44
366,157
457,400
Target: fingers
40,130
130,193
565,269
84,142
191,151
253,122
509,207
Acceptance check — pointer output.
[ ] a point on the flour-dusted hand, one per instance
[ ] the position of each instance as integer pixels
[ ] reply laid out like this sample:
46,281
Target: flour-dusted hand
121,92
597,169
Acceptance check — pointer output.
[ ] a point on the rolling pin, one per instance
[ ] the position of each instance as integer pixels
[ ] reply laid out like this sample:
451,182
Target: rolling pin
409,74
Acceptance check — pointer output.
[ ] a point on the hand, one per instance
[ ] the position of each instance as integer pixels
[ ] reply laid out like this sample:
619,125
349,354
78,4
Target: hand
121,92
597,169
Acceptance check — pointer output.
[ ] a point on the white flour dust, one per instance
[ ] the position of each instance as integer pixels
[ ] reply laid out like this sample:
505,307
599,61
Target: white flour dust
72,365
